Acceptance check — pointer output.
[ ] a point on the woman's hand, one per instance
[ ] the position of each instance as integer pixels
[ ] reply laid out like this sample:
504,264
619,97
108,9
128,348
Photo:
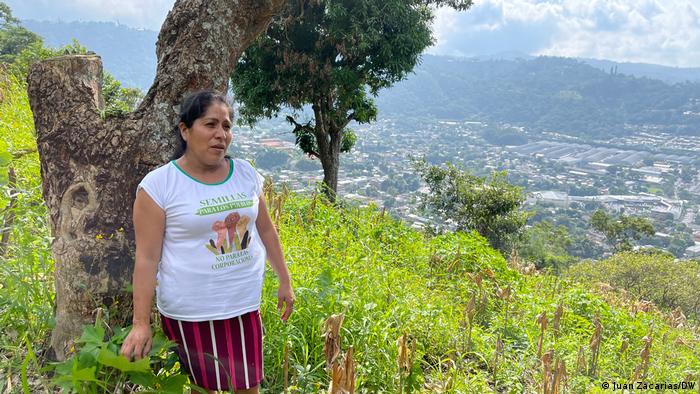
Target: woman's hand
285,299
138,343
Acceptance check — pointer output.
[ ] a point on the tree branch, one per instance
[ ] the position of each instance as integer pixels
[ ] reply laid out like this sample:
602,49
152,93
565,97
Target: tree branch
347,120
198,47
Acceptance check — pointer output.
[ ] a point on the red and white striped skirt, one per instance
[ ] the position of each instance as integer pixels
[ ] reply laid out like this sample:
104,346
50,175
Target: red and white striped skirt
220,354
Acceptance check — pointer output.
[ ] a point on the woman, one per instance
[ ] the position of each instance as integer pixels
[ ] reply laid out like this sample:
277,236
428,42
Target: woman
202,235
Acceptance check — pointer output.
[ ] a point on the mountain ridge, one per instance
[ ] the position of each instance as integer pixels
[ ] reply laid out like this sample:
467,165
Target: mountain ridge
542,93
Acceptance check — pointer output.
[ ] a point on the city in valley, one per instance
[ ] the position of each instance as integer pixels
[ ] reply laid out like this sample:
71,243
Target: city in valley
648,172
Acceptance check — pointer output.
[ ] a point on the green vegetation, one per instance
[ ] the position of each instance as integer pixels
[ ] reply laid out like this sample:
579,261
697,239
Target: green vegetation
620,231
14,38
476,321
467,320
487,206
544,93
126,52
652,276
474,318
26,268
546,245
118,100
19,48
332,55
97,366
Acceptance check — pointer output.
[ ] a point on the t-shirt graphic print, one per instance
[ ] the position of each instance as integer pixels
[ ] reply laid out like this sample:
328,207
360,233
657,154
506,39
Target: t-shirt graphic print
232,239
228,234
213,259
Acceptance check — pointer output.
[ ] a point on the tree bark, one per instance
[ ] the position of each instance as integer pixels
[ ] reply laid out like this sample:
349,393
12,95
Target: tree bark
328,139
91,166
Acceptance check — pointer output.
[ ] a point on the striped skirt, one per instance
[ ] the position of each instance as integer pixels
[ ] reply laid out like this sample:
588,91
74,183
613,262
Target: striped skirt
220,354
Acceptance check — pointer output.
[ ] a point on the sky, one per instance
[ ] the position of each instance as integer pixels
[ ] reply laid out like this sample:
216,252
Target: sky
648,31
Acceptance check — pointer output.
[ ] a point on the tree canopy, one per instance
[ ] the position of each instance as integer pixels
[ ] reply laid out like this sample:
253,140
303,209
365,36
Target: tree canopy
332,55
489,206
620,231
13,37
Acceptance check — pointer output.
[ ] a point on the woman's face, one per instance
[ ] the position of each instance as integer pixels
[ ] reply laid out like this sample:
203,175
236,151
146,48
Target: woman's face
210,135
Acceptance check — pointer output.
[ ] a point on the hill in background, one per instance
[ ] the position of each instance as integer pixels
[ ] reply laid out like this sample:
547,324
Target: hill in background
128,54
546,93
585,98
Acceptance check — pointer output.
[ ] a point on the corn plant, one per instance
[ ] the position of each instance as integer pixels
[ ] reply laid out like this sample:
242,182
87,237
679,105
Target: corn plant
406,353
594,345
542,322
640,372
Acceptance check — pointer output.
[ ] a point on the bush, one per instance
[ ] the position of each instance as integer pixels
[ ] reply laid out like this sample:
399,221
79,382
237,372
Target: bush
651,276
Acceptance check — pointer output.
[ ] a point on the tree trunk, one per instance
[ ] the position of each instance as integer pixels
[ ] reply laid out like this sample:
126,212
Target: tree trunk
330,161
328,140
91,166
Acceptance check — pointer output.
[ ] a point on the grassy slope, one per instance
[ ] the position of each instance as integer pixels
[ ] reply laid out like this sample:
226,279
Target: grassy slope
390,279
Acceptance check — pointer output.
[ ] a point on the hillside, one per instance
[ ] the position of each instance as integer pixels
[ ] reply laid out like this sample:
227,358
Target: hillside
585,98
390,279
667,74
550,94
472,321
129,54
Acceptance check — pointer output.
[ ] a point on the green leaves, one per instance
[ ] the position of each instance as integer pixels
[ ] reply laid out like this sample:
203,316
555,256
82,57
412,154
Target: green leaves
488,206
120,362
622,230
331,55
98,364
5,160
118,100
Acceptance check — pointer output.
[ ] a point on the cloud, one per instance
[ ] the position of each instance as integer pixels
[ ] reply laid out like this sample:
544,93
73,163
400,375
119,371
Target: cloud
148,14
652,31
490,28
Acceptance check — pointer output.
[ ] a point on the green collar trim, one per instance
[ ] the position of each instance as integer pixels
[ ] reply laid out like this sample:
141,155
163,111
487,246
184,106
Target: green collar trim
230,172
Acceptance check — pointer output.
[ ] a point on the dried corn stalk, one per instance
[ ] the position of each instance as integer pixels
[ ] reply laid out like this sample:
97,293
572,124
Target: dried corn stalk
496,353
542,321
640,371
504,294
331,331
677,318
547,375
557,317
624,345
560,377
407,350
470,312
343,375
476,278
312,208
594,344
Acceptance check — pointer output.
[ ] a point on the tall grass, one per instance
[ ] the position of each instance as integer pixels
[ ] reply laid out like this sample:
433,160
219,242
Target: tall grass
26,267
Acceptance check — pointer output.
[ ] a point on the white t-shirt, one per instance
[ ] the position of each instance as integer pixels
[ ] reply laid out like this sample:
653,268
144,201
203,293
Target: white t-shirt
213,259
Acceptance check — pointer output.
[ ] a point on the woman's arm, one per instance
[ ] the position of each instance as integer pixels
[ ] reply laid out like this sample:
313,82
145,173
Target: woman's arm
149,226
269,237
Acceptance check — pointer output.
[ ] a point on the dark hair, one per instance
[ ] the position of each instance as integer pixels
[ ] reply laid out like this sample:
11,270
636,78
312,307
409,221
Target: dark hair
193,107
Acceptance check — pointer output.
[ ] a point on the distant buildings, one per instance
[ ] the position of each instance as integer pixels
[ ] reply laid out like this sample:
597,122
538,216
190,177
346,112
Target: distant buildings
643,204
